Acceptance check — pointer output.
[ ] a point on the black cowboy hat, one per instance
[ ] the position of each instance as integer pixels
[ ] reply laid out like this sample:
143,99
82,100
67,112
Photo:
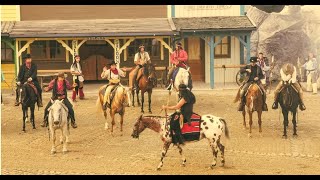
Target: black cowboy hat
179,44
112,62
182,87
27,56
254,59
141,46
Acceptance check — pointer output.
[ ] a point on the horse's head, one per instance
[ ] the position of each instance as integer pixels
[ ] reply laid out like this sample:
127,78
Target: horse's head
126,96
138,127
56,111
151,71
286,93
24,93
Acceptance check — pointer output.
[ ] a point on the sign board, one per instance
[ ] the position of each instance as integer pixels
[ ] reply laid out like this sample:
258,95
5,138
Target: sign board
116,51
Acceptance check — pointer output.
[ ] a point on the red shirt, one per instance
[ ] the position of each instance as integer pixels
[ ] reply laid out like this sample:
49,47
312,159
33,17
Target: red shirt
179,57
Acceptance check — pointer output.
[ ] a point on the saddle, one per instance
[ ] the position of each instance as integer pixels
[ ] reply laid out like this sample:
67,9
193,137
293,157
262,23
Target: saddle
282,87
142,71
33,87
261,91
112,94
189,132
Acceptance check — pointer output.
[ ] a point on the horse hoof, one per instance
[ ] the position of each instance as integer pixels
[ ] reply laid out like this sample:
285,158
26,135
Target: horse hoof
212,166
34,127
23,130
150,112
249,135
158,169
61,142
53,152
295,135
284,137
142,111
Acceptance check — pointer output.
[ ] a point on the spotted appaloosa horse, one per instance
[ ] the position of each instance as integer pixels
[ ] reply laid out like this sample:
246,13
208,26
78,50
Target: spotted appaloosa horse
211,129
254,102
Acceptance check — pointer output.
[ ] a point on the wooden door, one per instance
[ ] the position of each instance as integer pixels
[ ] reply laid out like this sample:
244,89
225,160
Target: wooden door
101,62
89,67
195,60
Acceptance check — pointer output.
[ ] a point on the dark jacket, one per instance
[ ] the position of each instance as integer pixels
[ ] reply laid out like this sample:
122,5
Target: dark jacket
32,72
187,108
252,75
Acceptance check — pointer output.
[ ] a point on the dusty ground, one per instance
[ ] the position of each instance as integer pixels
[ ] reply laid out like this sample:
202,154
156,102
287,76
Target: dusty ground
93,151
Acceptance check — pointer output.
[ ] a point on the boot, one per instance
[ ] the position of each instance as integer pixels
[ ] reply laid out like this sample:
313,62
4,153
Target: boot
275,105
302,107
265,107
73,122
45,122
81,94
39,101
16,103
242,103
74,95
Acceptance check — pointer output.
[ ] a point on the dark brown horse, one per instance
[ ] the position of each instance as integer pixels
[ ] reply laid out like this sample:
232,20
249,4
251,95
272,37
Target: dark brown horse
254,102
146,83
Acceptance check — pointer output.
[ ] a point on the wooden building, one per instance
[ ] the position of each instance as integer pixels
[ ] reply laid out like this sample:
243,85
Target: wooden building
212,35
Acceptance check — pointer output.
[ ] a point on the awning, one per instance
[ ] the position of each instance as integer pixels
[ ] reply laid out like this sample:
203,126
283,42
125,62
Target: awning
96,27
6,27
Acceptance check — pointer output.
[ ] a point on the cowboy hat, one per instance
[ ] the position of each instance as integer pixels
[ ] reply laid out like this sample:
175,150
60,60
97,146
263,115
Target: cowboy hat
112,62
253,59
27,56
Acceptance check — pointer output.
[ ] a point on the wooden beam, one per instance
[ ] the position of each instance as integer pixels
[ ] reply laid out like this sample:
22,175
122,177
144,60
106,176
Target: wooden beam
126,45
161,51
164,44
241,40
8,43
110,43
24,47
205,40
65,45
80,44
16,58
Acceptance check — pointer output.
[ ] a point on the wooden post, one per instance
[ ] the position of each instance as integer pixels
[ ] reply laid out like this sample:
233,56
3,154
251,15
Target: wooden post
248,48
212,62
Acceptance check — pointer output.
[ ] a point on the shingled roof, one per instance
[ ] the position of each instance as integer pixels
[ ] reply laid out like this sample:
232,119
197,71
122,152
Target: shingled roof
214,23
6,27
96,27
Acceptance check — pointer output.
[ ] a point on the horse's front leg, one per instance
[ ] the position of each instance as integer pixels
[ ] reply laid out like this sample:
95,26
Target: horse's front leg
294,122
138,100
184,160
53,147
64,134
106,126
165,148
23,119
244,118
112,114
149,100
250,123
142,101
285,123
132,92
260,121
32,116
121,123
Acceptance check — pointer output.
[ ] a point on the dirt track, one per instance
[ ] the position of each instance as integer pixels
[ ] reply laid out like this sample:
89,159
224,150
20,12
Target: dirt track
93,151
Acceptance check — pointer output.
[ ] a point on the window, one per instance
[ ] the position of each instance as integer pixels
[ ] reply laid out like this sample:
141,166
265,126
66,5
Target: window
6,53
223,50
152,46
47,50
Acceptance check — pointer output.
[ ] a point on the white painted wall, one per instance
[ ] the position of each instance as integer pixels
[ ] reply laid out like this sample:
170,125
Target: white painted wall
205,10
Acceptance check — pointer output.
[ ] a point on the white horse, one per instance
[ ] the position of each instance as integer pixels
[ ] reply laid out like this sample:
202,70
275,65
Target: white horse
211,128
182,77
58,119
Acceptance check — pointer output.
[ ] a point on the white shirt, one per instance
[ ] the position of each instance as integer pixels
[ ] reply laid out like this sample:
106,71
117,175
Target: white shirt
311,64
107,73
76,68
144,57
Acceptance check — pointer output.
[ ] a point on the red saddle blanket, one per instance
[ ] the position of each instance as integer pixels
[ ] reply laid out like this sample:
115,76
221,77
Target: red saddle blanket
192,133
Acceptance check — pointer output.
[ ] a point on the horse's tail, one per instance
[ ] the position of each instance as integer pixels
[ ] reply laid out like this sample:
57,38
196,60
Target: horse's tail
226,130
237,98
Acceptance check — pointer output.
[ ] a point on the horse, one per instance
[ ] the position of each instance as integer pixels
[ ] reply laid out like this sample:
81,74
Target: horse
120,101
289,102
58,119
254,102
182,77
27,99
211,128
145,84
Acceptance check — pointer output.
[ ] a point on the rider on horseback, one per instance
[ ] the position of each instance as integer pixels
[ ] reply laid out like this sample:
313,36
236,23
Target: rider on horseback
184,111
255,75
179,58
59,88
288,73
28,73
113,75
141,58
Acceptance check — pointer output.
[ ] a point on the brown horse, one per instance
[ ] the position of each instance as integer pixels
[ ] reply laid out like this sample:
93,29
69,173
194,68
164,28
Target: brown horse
254,102
120,101
146,83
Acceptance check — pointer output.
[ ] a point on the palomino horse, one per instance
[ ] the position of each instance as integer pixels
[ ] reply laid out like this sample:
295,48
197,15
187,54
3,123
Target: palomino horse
27,99
145,84
120,101
182,77
254,102
211,129
58,119
289,101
